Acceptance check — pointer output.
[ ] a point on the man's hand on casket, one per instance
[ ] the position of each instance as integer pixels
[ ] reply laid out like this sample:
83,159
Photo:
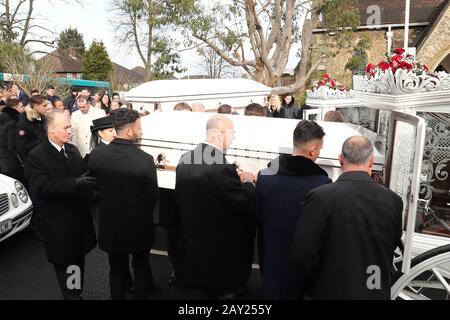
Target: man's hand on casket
247,177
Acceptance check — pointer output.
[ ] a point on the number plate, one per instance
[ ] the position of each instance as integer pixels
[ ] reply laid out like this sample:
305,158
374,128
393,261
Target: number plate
5,226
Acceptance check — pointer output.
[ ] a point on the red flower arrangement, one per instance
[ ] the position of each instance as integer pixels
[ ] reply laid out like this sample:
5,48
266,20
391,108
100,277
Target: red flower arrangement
395,61
327,81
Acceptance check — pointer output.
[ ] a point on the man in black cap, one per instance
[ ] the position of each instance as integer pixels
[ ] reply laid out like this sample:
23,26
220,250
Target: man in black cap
129,191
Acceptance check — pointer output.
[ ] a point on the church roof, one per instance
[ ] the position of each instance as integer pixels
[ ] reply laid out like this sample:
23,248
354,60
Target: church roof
393,11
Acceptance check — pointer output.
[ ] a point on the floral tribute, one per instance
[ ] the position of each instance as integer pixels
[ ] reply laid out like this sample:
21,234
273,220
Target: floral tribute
395,61
400,73
328,82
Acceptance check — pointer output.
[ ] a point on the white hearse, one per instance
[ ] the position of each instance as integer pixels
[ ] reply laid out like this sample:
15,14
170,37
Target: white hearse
15,207
212,93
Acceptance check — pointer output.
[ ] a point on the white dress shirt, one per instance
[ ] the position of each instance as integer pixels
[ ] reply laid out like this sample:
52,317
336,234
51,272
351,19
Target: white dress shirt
58,147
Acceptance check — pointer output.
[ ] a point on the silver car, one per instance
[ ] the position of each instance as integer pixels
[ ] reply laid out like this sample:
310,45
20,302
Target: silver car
15,207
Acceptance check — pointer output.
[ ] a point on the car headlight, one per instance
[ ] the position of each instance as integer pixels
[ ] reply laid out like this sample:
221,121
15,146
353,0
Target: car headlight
14,200
21,192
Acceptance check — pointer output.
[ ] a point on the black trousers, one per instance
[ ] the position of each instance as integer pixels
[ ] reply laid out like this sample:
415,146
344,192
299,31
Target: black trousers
173,249
70,279
119,275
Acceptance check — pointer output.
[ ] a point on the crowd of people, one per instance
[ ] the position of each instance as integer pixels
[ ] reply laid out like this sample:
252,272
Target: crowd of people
316,239
275,107
22,121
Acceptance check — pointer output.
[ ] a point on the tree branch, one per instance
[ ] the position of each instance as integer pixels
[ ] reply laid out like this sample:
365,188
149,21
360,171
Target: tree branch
276,25
27,23
21,2
223,55
303,73
251,9
133,17
299,84
47,43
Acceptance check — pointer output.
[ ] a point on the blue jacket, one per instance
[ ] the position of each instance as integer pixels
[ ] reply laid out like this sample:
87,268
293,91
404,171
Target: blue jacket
24,98
280,191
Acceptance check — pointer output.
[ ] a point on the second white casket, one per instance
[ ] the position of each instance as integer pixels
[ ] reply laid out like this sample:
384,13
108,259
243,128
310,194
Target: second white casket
257,141
210,92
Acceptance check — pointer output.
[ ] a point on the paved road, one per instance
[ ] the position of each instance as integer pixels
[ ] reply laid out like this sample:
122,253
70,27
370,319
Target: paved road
25,273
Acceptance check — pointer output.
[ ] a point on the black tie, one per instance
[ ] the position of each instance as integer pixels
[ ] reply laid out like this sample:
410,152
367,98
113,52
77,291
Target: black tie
63,153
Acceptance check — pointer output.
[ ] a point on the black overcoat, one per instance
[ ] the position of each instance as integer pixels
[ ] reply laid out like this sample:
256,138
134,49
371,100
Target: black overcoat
128,185
345,239
67,225
280,191
9,160
217,221
29,135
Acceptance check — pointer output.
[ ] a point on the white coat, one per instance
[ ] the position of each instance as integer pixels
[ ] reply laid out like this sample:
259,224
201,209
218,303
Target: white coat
81,128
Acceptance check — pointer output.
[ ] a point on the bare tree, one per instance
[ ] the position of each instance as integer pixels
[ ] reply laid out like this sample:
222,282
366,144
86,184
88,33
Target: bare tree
258,35
214,66
30,74
18,22
141,25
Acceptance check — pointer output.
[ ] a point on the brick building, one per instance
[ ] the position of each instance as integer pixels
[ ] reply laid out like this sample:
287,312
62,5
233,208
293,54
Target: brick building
429,34
68,64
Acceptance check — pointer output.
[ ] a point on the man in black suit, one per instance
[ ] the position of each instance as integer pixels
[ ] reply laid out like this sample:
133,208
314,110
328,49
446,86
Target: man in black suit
347,233
217,223
61,193
129,191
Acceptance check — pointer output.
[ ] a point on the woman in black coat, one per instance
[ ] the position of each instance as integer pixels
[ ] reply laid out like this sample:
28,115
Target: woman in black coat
274,109
105,103
10,162
289,108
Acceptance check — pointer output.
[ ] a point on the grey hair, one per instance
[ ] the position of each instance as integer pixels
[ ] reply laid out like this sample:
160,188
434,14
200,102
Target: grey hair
357,150
50,117
82,99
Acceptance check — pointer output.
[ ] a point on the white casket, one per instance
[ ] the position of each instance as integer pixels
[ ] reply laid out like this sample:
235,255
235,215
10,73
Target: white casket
212,93
258,140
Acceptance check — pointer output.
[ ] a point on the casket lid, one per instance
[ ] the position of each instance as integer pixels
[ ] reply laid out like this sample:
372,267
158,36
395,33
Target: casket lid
264,135
165,91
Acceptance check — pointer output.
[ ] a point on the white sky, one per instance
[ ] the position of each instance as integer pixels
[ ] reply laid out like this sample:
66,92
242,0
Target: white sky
93,21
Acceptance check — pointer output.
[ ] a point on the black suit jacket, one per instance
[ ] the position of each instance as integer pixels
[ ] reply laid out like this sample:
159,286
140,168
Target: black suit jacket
217,222
128,185
9,158
344,230
66,218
